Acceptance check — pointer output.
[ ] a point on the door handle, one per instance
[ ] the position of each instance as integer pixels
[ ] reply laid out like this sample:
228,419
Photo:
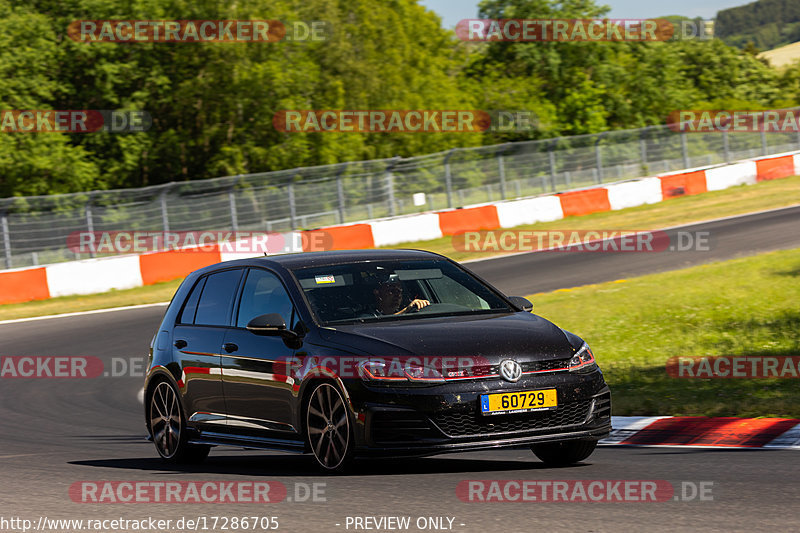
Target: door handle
230,347
180,343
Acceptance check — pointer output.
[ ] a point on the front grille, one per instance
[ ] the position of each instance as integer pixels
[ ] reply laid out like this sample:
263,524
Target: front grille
462,424
538,366
400,426
478,371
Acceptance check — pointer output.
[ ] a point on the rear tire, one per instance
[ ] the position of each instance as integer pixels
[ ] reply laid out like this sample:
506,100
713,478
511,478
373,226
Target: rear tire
328,428
565,452
168,427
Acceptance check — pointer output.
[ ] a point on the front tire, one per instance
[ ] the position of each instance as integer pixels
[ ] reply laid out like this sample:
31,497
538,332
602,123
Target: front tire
168,427
565,452
328,428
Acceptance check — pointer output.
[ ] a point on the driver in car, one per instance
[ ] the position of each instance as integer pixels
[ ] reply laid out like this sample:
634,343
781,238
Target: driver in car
389,299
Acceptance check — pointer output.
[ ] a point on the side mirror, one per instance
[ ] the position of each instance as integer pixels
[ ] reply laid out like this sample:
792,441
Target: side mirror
522,303
271,324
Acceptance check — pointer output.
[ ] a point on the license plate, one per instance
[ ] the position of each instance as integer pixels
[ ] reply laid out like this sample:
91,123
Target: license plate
518,402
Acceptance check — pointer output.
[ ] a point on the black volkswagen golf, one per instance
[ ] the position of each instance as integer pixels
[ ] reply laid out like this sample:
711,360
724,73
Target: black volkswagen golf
365,353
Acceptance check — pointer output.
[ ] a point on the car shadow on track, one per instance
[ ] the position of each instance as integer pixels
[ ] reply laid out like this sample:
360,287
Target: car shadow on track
305,465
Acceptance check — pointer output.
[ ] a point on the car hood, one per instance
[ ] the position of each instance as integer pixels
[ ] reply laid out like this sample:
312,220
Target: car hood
521,336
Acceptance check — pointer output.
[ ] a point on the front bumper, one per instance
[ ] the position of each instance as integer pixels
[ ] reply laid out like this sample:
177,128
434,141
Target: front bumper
446,418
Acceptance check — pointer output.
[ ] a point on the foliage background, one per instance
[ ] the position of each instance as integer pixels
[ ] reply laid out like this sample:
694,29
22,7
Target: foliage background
212,104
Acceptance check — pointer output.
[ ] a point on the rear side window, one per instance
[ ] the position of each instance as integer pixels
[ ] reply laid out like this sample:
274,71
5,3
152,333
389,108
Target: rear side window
215,302
263,293
190,308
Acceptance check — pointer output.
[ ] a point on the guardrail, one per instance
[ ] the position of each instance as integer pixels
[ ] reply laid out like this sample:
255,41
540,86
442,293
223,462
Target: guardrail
132,270
34,230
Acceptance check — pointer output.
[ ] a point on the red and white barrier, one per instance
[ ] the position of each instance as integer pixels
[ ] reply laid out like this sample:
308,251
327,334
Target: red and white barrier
529,211
744,173
390,231
704,432
775,167
100,275
93,275
634,193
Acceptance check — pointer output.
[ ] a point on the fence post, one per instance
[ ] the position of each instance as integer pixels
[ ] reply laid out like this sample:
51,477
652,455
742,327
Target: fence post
232,204
551,154
390,185
292,207
6,238
340,192
90,223
685,150
390,194
448,178
764,149
598,157
164,214
725,146
501,167
643,147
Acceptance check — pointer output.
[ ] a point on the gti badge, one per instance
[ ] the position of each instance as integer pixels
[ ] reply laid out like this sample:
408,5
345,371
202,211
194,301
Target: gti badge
510,370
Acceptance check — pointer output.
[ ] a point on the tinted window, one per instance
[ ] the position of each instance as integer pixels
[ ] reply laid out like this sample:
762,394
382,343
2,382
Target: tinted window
386,290
449,290
215,302
189,310
263,293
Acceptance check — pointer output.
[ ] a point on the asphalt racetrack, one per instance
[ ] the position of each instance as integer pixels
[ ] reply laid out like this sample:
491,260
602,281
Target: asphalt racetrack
56,432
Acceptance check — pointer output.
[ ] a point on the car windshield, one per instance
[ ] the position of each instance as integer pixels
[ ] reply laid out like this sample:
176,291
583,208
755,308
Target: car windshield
392,290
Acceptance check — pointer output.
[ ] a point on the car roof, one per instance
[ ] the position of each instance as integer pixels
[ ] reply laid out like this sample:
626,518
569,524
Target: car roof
310,259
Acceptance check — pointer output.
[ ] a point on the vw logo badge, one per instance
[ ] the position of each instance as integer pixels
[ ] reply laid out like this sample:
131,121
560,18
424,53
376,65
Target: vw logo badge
510,370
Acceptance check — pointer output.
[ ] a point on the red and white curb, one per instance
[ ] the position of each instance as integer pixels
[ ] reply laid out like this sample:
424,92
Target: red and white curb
704,432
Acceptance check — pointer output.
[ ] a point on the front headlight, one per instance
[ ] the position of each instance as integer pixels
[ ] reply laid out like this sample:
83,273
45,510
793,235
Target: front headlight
583,360
388,371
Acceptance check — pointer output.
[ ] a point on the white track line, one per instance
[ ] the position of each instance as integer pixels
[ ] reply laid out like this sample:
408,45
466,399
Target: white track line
81,313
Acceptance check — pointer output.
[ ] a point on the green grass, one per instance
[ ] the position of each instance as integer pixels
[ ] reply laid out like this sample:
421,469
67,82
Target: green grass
160,292
737,200
740,307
